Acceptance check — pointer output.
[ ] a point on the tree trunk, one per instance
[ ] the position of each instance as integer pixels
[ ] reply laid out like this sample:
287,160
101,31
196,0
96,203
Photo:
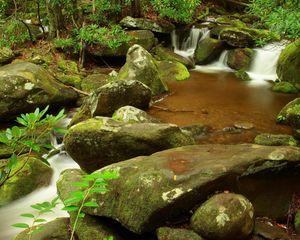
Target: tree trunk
56,20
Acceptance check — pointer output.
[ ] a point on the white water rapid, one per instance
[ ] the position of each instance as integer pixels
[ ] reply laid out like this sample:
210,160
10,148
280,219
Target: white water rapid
10,214
263,66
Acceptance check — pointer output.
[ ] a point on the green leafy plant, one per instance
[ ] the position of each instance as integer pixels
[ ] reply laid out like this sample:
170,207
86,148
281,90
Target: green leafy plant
93,183
178,10
41,208
28,137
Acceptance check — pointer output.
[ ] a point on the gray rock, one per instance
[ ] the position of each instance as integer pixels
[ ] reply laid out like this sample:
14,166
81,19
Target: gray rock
167,184
140,65
112,141
224,216
147,24
26,86
166,233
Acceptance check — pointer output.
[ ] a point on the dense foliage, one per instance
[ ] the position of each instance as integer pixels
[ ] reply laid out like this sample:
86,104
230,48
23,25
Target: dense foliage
279,16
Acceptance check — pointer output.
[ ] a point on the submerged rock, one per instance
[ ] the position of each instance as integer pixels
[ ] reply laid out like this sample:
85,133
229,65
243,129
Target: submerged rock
240,58
29,174
275,140
26,86
162,26
143,38
173,71
288,65
208,50
165,54
166,233
284,87
129,114
6,55
224,216
112,141
242,75
57,229
140,65
170,183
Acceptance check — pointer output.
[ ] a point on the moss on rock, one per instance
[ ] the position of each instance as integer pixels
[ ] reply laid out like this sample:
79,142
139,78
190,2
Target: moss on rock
275,140
166,233
172,71
240,58
284,87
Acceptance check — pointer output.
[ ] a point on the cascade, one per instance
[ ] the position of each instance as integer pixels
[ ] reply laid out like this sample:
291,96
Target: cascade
263,66
188,46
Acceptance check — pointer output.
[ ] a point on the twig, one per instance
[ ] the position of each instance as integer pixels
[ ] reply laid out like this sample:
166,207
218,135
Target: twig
170,110
79,91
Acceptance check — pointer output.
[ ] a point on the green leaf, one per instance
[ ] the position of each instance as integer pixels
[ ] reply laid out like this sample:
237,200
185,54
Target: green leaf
90,204
78,194
99,190
73,200
81,215
70,208
36,206
81,184
21,225
40,220
21,121
60,130
12,161
28,215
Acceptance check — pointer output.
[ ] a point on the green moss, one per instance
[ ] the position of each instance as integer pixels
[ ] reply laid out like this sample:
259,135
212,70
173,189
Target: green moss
72,80
297,222
173,71
243,75
284,87
208,50
68,66
288,66
275,140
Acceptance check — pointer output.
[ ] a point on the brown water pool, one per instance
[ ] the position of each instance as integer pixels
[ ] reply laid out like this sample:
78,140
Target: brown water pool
220,100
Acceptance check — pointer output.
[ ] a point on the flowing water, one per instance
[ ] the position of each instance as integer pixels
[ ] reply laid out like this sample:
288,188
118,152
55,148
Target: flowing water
212,96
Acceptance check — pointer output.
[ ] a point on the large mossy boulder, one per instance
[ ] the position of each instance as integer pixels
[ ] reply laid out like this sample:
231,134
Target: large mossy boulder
236,37
6,55
208,50
143,38
240,58
161,26
173,71
275,140
100,141
166,233
110,97
57,229
29,174
290,114
288,65
141,66
224,216
129,114
167,184
165,54
94,81
26,86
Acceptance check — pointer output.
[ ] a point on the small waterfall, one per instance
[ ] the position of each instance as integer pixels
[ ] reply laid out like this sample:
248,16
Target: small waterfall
188,46
265,61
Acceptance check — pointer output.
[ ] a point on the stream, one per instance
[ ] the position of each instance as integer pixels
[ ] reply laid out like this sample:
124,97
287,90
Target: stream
212,96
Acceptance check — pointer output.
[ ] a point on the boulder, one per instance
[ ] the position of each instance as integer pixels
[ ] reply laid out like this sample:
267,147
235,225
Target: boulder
143,38
240,58
166,233
91,227
26,86
57,229
140,65
6,55
129,114
167,184
94,81
290,114
236,37
29,174
275,140
288,65
284,87
112,141
165,54
208,50
160,26
173,71
224,216
266,229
